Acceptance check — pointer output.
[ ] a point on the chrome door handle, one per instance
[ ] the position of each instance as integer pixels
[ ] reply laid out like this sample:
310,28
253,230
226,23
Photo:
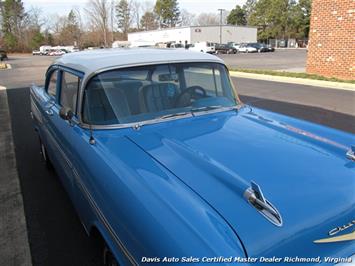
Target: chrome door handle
49,112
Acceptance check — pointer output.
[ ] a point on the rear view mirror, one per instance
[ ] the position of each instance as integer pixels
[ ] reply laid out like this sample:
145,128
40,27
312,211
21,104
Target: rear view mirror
168,77
66,113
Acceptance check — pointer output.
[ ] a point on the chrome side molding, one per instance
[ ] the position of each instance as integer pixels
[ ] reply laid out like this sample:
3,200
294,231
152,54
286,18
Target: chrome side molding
255,197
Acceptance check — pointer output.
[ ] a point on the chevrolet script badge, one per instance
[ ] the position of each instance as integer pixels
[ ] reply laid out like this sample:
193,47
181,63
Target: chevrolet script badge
336,230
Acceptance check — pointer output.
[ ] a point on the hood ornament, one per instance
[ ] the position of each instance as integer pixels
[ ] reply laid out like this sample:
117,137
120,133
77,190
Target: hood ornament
255,197
351,153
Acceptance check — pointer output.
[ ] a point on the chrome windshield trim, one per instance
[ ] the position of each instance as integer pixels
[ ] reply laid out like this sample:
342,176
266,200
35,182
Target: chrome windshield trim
137,125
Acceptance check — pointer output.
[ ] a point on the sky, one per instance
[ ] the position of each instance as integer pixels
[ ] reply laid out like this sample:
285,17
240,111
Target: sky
62,7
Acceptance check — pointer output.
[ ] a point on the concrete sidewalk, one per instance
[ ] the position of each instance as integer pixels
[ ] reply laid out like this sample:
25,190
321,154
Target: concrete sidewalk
300,81
14,246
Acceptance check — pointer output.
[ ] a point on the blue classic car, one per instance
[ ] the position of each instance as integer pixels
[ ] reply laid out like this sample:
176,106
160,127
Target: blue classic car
163,161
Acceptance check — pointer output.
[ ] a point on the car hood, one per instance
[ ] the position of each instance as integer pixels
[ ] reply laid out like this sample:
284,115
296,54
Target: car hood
306,176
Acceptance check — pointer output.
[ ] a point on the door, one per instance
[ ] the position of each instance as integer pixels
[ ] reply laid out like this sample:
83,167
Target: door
50,99
64,134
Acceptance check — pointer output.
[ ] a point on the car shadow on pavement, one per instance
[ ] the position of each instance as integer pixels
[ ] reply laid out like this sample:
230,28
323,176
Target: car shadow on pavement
55,233
317,115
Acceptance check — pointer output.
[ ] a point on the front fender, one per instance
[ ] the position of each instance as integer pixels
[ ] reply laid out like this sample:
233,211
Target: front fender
151,211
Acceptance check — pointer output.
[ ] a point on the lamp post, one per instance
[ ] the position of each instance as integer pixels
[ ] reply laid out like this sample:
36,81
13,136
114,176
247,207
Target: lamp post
220,24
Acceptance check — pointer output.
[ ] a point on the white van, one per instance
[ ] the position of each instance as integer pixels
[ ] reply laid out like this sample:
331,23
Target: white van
204,47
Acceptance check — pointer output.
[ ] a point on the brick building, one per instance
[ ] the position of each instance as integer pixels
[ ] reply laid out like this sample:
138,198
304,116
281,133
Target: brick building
331,50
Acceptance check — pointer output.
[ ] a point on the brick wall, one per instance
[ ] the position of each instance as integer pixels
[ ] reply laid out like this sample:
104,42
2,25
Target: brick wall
331,49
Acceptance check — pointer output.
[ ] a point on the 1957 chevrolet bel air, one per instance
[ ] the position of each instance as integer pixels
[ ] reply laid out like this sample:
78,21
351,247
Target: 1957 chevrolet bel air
160,157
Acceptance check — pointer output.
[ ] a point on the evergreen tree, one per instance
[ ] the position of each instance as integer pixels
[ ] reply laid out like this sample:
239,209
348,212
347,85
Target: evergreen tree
272,17
37,40
237,16
13,14
123,15
149,21
168,12
249,8
300,19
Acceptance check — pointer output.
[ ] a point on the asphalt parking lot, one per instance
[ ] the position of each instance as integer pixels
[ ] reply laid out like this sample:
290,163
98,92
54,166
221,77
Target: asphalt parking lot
293,60
56,236
28,68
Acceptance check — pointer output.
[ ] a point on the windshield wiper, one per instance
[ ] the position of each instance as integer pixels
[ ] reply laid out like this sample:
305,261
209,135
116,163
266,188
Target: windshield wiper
206,108
174,115
198,109
212,107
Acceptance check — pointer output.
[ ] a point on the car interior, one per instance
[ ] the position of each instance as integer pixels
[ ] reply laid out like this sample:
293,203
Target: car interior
115,98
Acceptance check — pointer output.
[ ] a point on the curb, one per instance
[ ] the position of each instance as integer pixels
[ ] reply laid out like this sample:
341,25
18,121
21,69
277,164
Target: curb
299,81
14,245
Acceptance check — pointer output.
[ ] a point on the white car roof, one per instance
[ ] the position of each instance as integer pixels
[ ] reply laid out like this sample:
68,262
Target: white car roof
101,59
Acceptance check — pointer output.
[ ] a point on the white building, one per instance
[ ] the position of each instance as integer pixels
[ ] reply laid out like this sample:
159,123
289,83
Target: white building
195,34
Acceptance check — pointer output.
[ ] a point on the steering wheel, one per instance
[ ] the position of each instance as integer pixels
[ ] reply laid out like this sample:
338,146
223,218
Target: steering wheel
188,94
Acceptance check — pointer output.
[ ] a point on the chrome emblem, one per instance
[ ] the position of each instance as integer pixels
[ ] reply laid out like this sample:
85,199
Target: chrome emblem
336,230
255,197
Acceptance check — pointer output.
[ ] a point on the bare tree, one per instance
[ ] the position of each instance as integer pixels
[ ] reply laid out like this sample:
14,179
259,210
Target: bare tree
34,18
207,19
98,12
56,23
112,12
136,8
225,15
187,18
77,13
147,6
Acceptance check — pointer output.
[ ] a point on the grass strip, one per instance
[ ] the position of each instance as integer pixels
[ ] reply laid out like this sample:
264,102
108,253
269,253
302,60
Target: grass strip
291,75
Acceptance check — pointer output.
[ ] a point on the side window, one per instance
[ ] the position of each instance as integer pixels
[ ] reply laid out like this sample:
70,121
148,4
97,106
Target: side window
69,91
52,84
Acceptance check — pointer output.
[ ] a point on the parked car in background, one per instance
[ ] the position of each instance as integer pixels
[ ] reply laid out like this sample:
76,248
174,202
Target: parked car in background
56,53
3,55
262,48
161,158
247,48
36,52
204,47
45,51
224,49
270,48
177,45
234,45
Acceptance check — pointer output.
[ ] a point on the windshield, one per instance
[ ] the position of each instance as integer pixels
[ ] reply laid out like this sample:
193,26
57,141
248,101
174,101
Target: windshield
144,93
